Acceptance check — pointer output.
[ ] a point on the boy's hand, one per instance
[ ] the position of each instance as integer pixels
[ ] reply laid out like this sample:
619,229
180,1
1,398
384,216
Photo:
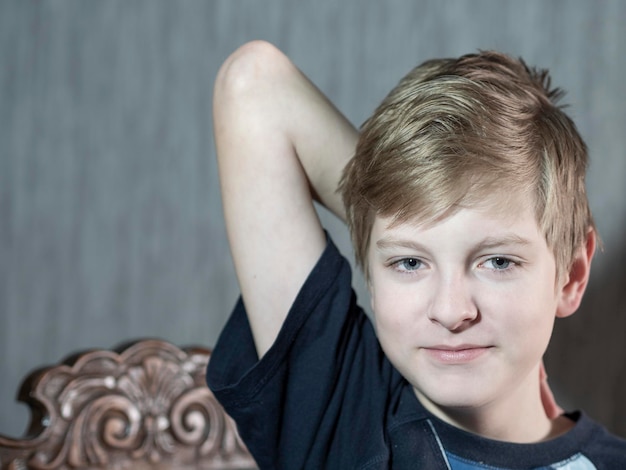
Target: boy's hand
553,410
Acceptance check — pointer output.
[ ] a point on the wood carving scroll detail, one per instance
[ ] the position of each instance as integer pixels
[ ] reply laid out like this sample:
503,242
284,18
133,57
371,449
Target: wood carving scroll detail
148,403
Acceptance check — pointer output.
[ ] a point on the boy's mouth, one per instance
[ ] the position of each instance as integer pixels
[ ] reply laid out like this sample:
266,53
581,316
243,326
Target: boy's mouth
460,354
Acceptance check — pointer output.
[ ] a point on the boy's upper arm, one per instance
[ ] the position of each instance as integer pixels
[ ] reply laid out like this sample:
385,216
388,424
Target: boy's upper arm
260,113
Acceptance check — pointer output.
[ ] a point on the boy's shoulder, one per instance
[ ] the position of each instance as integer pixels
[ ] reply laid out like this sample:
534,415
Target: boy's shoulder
604,449
587,446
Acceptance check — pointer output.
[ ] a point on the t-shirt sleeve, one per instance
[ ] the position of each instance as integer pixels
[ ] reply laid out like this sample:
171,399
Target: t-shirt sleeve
297,406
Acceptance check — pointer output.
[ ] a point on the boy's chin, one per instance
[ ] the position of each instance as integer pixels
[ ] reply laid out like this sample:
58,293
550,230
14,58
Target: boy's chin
457,402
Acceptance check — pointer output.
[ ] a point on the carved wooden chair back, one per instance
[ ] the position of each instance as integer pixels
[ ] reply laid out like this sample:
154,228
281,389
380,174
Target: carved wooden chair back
145,405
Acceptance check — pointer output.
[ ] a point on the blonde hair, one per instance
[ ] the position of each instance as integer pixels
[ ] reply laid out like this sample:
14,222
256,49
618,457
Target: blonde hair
454,131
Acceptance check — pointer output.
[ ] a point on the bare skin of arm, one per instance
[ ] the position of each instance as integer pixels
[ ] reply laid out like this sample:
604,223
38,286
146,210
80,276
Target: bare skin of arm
280,144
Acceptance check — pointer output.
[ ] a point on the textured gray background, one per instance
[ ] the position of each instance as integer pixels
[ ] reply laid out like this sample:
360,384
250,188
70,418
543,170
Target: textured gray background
110,219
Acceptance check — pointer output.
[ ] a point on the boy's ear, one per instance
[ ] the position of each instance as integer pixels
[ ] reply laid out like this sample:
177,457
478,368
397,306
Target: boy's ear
571,293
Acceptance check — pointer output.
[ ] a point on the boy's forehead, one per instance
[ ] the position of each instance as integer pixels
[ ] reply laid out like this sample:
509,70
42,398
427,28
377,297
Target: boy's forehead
502,206
502,216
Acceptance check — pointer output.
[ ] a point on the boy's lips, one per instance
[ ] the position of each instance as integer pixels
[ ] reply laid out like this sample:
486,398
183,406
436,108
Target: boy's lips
460,354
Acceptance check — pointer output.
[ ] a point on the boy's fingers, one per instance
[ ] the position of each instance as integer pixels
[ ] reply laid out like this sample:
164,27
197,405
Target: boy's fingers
553,410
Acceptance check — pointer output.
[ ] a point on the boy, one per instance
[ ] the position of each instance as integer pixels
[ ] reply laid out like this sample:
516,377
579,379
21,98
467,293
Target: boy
466,203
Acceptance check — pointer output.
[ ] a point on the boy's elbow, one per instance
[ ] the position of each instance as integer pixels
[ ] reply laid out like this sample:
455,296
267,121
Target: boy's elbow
244,72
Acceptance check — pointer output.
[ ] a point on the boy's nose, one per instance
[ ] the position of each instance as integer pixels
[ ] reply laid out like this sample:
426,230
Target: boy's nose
452,305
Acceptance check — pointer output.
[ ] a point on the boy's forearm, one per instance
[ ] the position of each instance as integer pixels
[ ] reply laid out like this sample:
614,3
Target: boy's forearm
324,141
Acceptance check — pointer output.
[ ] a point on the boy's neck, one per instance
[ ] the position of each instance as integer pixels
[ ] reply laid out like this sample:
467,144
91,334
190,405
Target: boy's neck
519,418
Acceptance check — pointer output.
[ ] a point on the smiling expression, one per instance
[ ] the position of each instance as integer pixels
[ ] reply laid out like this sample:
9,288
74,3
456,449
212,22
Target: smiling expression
464,308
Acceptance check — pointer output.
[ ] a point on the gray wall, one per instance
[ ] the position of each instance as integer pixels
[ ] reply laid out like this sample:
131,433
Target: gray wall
111,226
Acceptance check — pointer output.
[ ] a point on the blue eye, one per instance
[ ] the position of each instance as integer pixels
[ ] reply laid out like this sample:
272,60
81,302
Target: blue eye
500,263
409,264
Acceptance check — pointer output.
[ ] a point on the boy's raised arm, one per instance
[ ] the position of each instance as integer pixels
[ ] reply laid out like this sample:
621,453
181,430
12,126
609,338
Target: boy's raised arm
280,143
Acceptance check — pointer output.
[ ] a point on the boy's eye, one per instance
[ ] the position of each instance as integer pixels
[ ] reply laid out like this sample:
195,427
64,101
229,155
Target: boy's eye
409,264
499,263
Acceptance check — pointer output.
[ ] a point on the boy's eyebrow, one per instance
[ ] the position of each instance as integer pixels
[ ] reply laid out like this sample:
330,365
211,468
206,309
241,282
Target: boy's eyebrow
389,242
504,240
485,243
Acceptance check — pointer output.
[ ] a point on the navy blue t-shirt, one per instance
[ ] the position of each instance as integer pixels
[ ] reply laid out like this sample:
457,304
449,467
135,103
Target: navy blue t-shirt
324,396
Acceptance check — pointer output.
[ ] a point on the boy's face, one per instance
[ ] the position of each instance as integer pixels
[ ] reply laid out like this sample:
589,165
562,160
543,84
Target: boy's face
464,308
